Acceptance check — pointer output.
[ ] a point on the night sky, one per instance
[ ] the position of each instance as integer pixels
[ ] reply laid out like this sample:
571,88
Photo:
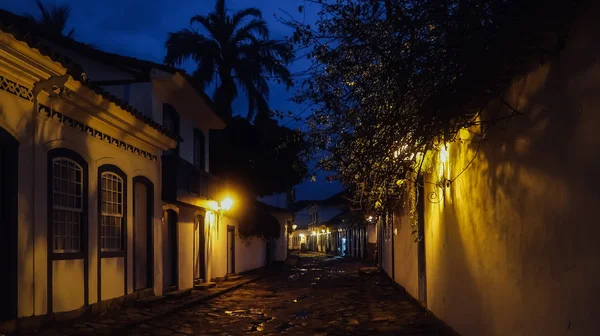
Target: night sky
139,28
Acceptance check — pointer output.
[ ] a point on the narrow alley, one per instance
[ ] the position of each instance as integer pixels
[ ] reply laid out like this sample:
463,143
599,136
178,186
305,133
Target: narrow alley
317,296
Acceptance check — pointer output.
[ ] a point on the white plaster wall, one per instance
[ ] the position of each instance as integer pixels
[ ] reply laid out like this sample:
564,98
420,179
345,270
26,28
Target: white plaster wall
113,278
32,209
140,95
186,248
218,254
68,285
405,254
512,246
250,253
95,70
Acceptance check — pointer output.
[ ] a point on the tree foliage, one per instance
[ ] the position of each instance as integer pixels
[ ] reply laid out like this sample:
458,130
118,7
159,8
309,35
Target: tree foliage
238,50
391,80
257,159
264,157
53,18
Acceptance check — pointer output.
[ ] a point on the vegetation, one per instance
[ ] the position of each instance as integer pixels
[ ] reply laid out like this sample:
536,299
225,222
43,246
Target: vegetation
54,18
264,158
392,81
238,50
257,159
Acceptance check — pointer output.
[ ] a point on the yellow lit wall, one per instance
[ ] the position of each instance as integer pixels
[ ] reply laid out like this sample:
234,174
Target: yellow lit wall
512,247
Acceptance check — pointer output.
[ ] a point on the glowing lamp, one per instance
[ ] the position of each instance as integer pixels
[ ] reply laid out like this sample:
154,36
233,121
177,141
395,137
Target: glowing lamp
226,203
294,227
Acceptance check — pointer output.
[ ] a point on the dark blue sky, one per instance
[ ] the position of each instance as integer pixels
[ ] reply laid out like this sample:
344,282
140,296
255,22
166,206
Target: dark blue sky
139,28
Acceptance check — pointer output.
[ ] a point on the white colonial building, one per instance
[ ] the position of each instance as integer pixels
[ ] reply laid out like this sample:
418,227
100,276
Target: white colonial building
80,171
105,185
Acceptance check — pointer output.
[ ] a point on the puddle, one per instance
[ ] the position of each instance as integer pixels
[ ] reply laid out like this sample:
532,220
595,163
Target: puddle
256,327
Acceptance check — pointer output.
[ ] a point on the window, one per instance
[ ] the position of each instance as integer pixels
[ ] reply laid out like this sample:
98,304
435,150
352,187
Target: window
171,124
199,143
112,199
67,205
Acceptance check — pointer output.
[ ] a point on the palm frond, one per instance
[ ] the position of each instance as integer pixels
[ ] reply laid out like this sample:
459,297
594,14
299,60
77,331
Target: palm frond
242,14
188,44
258,27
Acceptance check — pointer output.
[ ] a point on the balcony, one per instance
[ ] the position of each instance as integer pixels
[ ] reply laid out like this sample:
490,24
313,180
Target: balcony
182,177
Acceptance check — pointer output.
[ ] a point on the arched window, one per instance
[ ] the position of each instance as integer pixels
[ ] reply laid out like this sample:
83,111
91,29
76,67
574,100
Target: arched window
112,207
67,202
67,205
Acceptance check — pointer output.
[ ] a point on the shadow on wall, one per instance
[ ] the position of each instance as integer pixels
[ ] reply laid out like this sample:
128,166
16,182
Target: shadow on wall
513,249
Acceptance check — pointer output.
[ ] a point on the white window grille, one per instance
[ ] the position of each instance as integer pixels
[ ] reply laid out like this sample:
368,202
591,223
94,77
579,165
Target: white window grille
111,230
67,205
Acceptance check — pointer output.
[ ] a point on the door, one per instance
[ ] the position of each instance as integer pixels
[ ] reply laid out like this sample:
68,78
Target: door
143,272
230,249
8,225
199,248
170,249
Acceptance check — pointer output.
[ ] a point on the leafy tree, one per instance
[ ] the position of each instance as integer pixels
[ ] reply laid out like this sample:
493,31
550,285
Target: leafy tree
264,158
54,18
238,50
393,80
257,159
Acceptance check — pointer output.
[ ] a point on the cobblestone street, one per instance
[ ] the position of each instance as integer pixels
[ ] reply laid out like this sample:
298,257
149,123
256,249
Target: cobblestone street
317,296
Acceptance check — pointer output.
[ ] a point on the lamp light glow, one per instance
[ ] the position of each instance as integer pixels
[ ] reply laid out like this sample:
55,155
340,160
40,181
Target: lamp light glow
227,203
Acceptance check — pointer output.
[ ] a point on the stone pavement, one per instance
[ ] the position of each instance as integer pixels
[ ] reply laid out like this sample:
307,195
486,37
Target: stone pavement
317,295
116,320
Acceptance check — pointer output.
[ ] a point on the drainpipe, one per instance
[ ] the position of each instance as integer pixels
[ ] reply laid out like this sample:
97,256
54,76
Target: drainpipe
50,84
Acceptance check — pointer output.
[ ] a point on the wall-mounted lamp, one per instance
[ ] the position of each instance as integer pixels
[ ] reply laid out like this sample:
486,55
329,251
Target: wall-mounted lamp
294,227
226,204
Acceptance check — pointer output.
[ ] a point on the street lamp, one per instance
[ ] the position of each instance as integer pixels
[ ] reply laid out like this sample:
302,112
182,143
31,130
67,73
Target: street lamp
294,227
226,204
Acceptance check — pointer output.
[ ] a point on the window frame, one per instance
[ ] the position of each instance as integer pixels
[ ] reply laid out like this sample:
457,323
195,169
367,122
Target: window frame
200,161
170,113
109,168
83,229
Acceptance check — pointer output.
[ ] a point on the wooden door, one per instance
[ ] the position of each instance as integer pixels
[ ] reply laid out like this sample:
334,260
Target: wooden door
199,248
143,266
170,249
230,249
8,225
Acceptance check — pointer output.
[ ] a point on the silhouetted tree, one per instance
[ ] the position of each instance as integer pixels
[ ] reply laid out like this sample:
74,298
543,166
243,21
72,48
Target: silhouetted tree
236,48
54,18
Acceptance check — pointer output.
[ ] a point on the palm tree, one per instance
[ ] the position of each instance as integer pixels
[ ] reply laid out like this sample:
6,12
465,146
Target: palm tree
236,48
54,18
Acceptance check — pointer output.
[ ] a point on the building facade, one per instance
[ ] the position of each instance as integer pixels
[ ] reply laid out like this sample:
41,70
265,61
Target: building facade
510,248
80,172
106,191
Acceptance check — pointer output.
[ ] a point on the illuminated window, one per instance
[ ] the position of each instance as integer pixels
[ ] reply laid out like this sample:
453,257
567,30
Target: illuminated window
67,205
112,198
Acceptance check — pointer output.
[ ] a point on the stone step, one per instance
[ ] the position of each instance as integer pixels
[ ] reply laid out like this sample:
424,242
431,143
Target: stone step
178,293
205,285
233,277
150,300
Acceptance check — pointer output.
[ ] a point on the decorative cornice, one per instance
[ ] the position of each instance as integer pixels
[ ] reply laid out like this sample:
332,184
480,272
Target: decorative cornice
26,93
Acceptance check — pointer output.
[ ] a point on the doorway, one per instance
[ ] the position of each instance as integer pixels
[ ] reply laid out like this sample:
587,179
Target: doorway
143,212
199,248
170,250
8,224
230,249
